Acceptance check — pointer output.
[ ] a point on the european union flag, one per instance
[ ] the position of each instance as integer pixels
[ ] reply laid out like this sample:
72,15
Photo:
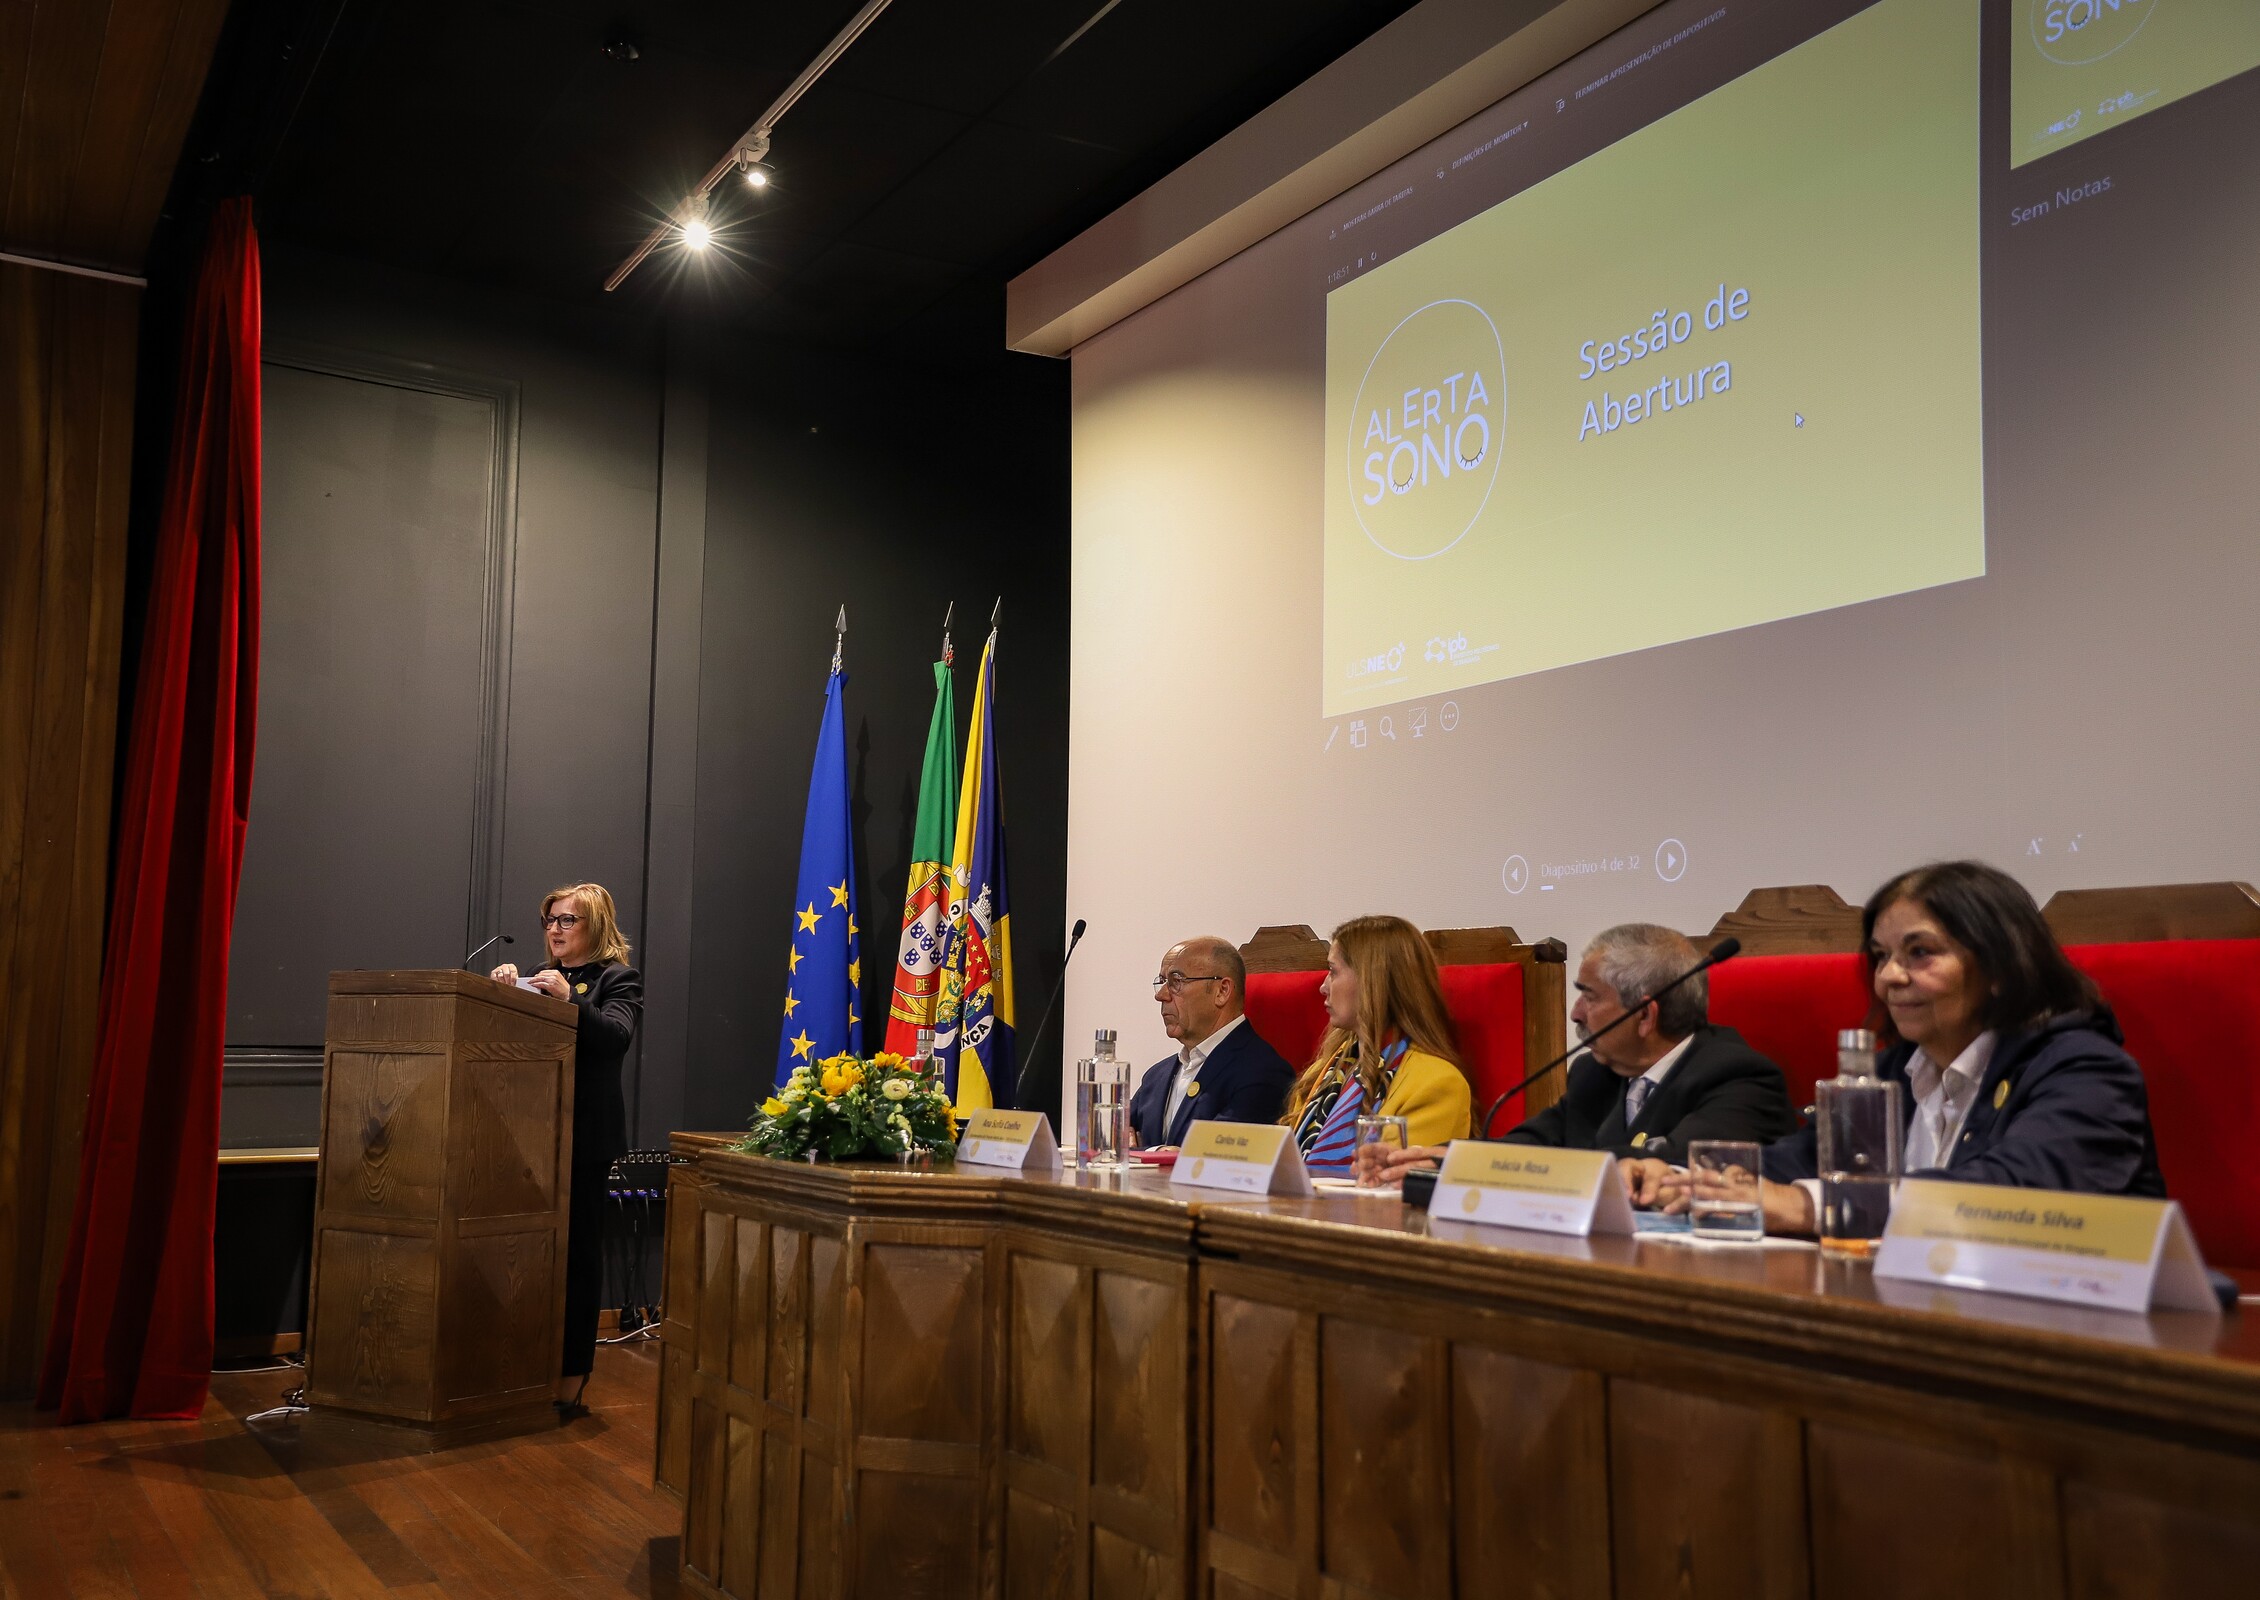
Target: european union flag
973,1025
823,998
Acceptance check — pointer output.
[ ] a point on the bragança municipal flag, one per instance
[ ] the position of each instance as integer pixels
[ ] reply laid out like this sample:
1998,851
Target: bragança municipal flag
822,998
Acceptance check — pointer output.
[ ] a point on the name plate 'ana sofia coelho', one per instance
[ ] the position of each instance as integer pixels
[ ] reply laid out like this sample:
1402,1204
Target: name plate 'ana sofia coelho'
1245,1156
2090,1249
1532,1186
1021,1140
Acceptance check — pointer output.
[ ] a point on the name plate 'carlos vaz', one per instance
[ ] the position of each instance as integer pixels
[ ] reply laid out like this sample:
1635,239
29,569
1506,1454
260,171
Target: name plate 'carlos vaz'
1244,1156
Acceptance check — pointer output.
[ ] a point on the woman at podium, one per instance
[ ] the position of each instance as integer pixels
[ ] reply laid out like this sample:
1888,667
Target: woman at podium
1389,1048
588,968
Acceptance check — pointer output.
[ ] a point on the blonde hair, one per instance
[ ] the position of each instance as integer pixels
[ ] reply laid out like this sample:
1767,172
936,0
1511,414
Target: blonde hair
604,923
1399,995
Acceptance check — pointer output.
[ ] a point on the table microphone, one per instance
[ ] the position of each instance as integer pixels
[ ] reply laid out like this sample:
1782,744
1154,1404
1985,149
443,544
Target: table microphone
1074,938
1724,950
500,938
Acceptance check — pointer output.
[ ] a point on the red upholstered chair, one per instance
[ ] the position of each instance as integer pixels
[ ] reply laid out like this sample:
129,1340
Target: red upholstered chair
2180,965
1797,981
1507,1000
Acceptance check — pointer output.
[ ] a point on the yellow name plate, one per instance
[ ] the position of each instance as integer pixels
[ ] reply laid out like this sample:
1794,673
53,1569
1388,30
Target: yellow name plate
1016,1139
1250,1157
1532,1186
2090,1249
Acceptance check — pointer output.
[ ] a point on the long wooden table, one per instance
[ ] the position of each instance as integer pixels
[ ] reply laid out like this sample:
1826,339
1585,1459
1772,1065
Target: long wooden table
883,1383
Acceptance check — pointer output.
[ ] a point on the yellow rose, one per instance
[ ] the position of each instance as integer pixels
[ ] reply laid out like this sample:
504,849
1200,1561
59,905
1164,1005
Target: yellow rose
838,1080
772,1107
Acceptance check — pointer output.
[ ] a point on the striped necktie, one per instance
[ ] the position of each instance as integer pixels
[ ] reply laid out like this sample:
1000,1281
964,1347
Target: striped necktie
1635,1098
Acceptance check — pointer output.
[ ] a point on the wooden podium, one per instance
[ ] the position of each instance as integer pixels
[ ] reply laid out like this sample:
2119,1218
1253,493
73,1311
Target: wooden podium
438,1294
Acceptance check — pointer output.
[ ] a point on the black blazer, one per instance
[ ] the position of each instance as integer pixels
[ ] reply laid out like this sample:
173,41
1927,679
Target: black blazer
1243,1080
2060,1107
609,998
1720,1089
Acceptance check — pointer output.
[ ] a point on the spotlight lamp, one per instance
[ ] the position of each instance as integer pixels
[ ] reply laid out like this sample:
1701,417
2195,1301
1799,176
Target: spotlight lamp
749,161
696,233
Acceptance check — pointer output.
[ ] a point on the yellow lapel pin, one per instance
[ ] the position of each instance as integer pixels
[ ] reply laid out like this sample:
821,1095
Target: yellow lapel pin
2001,1094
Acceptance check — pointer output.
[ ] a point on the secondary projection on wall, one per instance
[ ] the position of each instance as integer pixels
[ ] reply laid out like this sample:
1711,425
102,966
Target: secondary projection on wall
2083,67
1723,372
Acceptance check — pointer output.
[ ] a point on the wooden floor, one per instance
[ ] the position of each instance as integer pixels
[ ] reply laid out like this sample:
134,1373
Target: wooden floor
225,1510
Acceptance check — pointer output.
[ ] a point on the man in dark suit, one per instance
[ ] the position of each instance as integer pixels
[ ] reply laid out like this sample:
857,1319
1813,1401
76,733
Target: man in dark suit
1665,1078
1223,1071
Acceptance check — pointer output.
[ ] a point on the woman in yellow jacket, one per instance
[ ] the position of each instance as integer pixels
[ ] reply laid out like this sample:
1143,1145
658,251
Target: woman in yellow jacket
1389,1049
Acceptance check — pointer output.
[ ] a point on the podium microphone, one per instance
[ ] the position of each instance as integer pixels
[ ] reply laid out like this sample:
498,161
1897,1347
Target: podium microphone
1724,950
500,938
1074,938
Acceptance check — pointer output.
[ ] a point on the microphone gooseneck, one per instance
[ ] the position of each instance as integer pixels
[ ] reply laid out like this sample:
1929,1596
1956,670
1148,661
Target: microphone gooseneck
480,950
1724,950
1074,938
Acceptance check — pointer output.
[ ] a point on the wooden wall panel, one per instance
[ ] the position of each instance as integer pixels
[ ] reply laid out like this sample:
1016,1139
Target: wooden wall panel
1954,1523
922,1344
372,1321
1137,1374
1709,1497
384,1134
510,1126
1534,1437
1048,1375
67,363
1385,1458
2123,1545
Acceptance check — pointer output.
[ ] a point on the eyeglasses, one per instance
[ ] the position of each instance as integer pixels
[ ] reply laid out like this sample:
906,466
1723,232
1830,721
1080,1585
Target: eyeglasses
1178,980
563,919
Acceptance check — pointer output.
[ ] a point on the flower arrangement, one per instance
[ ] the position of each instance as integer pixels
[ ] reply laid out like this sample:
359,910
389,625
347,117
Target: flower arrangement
846,1108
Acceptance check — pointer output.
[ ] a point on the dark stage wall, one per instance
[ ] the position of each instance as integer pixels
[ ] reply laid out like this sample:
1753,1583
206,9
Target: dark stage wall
550,598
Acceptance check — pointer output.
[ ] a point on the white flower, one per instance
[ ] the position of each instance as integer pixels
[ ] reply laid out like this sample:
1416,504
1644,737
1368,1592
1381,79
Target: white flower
895,1089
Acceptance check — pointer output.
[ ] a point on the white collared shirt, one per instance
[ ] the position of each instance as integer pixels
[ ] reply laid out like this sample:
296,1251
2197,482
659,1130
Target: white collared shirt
1662,1069
1190,1059
1942,1102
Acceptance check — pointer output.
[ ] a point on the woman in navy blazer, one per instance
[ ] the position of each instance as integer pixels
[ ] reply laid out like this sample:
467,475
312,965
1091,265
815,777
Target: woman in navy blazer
2013,1069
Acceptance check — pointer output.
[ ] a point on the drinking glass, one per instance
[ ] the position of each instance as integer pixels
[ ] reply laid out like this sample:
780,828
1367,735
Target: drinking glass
1377,1136
1724,1202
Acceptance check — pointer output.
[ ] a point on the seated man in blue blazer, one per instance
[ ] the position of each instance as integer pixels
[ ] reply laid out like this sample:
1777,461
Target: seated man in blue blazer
1223,1071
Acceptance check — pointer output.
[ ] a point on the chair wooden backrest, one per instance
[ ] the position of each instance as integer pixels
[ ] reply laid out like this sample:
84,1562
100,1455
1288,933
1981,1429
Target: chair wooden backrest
1508,1001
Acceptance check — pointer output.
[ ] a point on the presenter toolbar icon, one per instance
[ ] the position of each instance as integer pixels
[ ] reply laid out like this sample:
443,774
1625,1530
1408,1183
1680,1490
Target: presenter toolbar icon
1514,877
1671,861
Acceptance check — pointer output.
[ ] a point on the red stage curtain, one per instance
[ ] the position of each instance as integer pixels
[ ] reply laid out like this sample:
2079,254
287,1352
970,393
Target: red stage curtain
133,1320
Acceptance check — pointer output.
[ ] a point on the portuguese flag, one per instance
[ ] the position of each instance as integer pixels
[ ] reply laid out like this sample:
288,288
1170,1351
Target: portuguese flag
925,904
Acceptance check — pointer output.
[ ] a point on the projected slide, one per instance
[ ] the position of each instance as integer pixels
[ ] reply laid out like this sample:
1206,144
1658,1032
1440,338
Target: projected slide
1723,372
2083,67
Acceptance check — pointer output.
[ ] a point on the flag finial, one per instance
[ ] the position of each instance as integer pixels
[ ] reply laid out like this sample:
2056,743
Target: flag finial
839,638
995,612
949,653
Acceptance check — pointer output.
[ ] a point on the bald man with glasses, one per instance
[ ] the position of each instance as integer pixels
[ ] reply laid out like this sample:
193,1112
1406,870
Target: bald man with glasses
1223,1071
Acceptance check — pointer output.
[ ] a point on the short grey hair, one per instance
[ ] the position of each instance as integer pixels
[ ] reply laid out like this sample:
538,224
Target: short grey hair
1638,958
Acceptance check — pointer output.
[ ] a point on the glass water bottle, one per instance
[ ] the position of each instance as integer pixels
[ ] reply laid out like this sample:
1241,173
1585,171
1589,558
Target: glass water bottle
1102,1105
1859,1131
